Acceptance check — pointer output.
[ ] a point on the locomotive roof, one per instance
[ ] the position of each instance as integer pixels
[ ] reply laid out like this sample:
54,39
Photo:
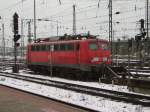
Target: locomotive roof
68,41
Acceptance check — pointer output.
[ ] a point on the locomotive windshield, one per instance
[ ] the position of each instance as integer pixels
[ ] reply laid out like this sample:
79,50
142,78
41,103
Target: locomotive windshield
99,45
104,46
93,46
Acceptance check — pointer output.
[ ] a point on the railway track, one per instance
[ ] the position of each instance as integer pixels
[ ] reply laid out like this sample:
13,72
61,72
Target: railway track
8,63
115,95
56,100
140,73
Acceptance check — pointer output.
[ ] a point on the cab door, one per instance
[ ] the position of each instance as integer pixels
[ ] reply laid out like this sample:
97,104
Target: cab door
94,52
28,54
105,52
83,54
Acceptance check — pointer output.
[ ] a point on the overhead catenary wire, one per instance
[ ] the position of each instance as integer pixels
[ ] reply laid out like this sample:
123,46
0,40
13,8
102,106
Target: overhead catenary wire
85,9
12,6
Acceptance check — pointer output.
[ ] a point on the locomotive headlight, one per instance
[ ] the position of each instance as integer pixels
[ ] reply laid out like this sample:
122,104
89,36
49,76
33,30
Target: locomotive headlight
104,58
95,59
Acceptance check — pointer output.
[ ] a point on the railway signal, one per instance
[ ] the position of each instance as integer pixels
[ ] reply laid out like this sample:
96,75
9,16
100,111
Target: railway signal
143,33
17,44
16,38
141,36
142,23
15,23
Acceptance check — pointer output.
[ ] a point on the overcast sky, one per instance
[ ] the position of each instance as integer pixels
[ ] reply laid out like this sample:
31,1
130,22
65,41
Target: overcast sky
91,16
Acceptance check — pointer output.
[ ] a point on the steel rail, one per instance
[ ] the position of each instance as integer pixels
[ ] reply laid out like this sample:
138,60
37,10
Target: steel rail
115,95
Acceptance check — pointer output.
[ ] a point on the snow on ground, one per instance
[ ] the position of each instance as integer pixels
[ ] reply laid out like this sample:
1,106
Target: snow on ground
93,102
90,84
144,73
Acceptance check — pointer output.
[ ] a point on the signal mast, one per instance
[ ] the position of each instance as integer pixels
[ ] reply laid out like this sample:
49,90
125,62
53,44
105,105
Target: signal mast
16,38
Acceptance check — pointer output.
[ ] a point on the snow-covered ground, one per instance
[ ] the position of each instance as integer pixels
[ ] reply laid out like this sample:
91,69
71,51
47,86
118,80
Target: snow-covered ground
90,84
144,73
93,102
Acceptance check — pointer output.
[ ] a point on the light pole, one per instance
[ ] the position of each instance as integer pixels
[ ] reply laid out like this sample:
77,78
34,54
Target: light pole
74,20
147,19
110,27
22,39
57,28
3,43
147,4
34,21
29,31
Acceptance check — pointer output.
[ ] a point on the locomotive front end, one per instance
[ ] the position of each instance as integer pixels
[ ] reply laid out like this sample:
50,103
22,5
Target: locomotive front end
99,52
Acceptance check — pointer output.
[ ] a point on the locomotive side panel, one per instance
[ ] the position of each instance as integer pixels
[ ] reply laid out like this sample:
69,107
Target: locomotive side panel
66,54
39,55
82,53
28,54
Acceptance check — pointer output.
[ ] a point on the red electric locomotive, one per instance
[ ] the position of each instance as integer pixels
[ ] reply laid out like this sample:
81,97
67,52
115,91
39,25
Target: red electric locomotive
68,53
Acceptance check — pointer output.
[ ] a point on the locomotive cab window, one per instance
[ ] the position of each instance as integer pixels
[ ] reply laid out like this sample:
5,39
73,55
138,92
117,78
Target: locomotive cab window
43,47
47,47
62,47
52,48
93,46
70,47
56,47
38,48
104,46
33,48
